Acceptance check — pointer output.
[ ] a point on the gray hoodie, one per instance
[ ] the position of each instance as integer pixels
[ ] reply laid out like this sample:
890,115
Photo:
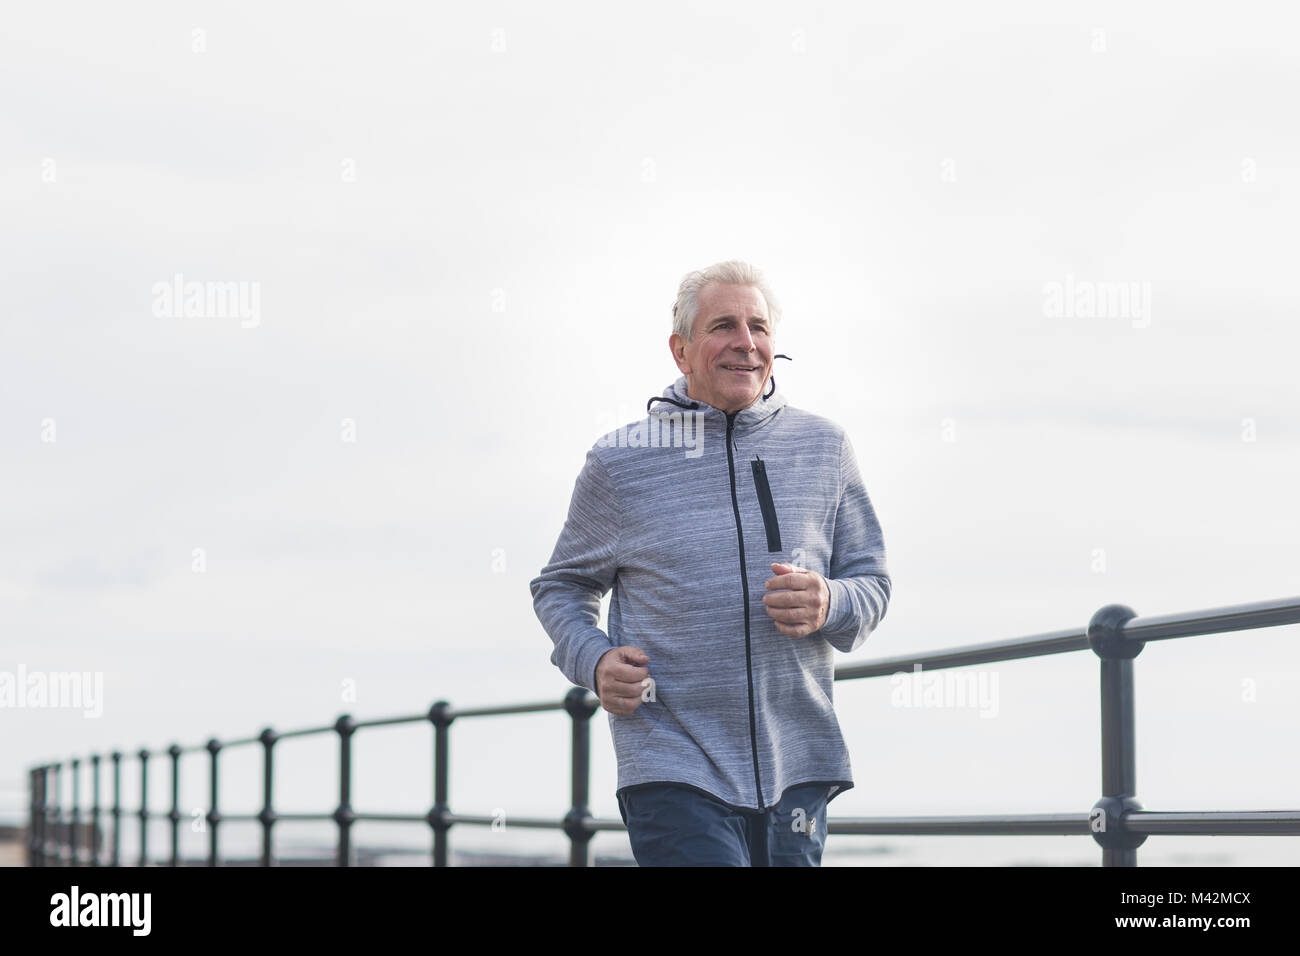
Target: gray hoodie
681,514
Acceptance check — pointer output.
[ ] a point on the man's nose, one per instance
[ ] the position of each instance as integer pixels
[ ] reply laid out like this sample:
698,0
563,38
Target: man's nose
744,341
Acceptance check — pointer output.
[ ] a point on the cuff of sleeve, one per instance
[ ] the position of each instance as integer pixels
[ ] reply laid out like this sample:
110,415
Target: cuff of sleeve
840,608
588,658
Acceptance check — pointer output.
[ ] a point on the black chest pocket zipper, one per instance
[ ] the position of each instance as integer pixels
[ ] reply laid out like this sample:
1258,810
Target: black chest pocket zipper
765,503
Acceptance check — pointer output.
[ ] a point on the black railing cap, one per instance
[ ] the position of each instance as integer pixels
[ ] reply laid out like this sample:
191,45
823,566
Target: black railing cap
1106,633
580,702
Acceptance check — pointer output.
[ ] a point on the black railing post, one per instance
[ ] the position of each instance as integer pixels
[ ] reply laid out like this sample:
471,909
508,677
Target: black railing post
343,815
58,813
31,816
1118,736
174,751
441,717
117,806
214,814
45,816
95,830
580,706
76,808
267,816
36,819
144,807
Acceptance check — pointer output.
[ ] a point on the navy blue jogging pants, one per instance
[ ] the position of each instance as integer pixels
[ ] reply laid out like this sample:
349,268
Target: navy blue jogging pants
673,825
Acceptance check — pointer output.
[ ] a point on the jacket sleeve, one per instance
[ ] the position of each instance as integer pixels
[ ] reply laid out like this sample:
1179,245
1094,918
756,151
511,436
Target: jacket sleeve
567,592
859,579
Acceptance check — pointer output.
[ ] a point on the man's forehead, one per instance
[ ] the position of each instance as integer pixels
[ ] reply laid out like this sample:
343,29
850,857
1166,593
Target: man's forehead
733,303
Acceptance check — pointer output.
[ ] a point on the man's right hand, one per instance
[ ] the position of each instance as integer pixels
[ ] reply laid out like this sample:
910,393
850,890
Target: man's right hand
619,674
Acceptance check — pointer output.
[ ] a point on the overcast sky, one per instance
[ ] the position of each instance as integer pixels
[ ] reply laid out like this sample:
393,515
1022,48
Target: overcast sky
459,232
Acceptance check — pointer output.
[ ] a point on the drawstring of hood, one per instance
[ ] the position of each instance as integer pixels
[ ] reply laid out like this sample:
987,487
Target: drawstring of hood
666,398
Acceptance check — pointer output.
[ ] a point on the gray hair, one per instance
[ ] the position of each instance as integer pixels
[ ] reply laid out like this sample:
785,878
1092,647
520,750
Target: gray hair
733,272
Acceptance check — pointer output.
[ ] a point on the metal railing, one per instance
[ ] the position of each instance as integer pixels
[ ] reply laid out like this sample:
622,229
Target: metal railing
1116,821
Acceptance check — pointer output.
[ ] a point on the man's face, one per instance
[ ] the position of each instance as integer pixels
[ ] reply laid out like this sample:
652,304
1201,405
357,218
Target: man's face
732,328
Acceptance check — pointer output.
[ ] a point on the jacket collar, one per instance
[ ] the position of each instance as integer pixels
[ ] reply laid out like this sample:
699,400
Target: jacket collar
764,407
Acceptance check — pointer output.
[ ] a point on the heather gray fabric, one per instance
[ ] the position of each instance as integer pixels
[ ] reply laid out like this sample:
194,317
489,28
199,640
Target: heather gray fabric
657,524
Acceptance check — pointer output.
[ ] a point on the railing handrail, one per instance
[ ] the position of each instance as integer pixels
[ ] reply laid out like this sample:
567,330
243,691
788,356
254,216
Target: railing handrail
1116,821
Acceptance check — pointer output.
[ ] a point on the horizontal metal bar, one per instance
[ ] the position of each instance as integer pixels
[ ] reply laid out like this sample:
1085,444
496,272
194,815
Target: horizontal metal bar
1216,823
1043,824
1238,617
1062,824
456,712
1207,823
1038,645
536,823
384,721
593,824
304,732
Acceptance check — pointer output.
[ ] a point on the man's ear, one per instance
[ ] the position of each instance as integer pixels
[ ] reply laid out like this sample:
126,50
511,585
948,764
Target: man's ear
677,345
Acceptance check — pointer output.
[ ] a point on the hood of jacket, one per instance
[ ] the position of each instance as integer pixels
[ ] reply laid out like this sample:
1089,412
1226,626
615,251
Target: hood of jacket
674,399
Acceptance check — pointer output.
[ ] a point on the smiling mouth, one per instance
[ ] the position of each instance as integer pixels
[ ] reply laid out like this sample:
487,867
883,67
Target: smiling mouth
741,368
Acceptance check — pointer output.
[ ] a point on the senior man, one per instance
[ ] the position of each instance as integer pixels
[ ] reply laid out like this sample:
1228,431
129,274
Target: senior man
742,552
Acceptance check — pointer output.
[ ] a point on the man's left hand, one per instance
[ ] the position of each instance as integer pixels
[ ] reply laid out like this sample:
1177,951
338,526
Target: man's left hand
802,608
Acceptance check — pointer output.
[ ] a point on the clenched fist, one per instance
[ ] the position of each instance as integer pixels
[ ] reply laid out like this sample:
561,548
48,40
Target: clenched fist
621,676
801,608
